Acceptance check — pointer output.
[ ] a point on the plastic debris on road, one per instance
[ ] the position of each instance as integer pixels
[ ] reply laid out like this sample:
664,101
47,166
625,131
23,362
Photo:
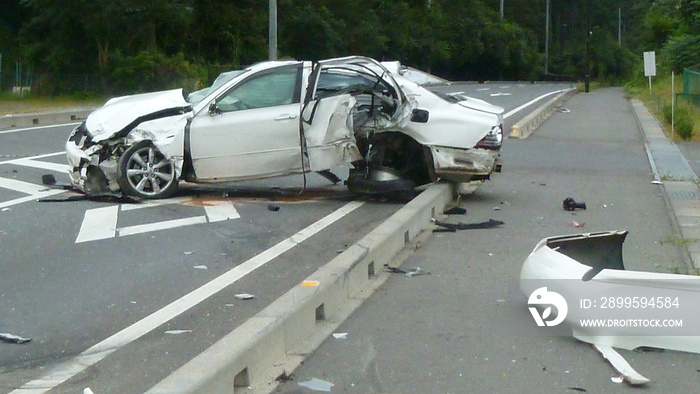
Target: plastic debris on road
491,223
409,273
317,385
177,332
244,296
11,338
570,204
200,267
576,224
456,211
340,335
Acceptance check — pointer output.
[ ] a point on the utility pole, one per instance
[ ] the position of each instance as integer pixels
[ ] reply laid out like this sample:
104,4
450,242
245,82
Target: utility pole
272,40
546,41
619,26
588,46
502,17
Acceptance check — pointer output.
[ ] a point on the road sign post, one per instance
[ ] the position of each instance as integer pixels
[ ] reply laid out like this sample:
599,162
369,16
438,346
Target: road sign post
650,66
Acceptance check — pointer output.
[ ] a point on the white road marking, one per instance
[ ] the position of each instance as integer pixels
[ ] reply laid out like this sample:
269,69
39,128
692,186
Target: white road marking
155,203
95,227
99,223
221,212
33,157
158,226
532,102
37,128
34,197
91,356
21,186
44,165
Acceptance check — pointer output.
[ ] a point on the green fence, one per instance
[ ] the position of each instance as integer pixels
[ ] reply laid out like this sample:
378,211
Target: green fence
691,88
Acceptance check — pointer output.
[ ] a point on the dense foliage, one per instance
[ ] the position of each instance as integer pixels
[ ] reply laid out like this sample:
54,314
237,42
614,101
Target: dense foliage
132,45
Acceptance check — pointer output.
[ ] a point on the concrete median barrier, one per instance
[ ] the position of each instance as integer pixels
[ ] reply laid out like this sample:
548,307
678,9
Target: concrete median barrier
528,124
44,118
278,338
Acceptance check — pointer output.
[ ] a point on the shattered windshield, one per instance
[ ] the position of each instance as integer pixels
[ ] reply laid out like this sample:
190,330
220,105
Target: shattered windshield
199,95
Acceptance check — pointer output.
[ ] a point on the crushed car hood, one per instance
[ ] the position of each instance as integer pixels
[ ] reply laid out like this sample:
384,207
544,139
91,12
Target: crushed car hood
121,114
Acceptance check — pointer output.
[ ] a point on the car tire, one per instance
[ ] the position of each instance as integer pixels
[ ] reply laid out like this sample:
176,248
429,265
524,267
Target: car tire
146,173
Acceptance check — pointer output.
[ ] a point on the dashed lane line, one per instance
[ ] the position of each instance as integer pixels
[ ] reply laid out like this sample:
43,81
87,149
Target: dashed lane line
94,354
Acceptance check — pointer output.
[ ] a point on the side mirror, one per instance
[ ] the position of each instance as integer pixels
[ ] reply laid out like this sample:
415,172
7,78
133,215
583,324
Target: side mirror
420,116
214,109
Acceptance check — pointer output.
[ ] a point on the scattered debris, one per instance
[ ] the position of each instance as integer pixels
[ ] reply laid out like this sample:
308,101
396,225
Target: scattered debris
177,332
648,349
655,182
273,208
579,389
330,176
617,379
570,204
340,335
6,209
88,390
469,226
48,180
496,208
456,211
444,230
200,267
564,111
244,296
576,224
10,338
621,366
188,253
284,377
410,273
317,385
101,197
310,283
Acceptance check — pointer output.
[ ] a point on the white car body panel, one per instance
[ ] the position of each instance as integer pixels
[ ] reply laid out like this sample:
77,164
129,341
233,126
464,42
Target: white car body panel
547,265
329,138
119,112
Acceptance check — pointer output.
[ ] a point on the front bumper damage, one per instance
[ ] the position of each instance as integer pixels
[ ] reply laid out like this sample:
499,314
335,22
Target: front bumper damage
465,165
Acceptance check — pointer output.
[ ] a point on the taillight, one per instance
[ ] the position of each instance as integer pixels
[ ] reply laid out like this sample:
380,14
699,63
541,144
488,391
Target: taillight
492,140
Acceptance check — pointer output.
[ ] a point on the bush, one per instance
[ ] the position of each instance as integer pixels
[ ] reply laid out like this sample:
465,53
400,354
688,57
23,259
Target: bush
684,122
150,71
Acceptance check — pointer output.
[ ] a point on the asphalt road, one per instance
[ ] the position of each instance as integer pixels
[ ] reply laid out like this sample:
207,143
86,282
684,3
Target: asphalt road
69,291
465,328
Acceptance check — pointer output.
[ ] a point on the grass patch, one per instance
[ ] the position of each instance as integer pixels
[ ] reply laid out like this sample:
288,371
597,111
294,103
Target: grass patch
687,116
676,240
11,103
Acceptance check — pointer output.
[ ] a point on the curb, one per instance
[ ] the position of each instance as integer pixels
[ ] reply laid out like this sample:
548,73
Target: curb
528,124
279,337
682,196
44,118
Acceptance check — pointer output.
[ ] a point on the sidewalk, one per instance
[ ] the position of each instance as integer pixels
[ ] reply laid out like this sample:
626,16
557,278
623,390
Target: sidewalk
465,328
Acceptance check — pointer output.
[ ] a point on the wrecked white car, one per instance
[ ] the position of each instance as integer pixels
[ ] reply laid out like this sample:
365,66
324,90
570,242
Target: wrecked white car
285,117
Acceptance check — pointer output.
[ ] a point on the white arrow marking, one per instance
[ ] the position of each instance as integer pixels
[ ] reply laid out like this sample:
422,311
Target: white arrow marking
101,223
